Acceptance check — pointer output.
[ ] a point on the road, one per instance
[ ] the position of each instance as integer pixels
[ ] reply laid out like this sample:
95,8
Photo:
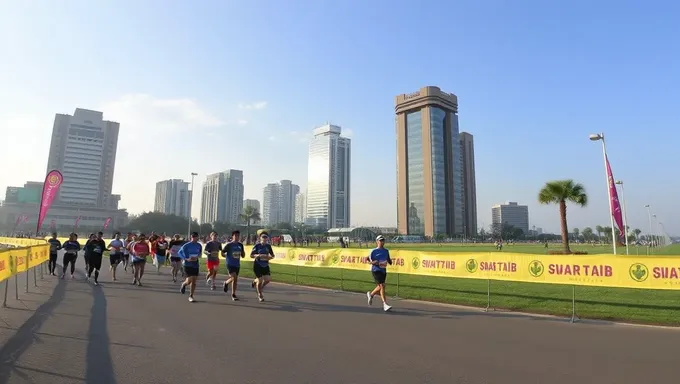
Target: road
70,331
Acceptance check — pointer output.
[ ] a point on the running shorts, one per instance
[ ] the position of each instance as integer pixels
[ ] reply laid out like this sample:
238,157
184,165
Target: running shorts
175,259
115,258
379,276
213,264
138,261
260,270
233,270
70,258
160,259
96,261
126,256
191,271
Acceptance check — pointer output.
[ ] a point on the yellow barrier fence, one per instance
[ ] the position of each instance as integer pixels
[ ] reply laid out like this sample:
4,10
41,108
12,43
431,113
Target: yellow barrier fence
30,254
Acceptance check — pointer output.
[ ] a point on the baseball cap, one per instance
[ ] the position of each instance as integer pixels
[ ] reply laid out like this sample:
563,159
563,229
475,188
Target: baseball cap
380,237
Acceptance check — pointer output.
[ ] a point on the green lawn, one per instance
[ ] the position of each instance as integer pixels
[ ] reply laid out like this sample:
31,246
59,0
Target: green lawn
631,305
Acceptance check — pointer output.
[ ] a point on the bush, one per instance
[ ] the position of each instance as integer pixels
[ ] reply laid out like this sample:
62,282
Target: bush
567,253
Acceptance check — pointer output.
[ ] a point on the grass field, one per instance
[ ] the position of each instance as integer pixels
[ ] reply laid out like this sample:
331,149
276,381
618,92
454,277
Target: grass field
631,305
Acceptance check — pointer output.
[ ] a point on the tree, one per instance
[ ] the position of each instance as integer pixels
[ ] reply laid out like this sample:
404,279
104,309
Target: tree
506,231
560,192
637,233
250,215
575,231
599,230
587,233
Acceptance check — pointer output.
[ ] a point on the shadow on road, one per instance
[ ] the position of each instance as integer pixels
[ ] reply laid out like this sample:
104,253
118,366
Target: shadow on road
99,362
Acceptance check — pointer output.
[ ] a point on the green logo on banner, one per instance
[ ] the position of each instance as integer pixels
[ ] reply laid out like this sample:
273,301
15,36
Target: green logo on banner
536,268
638,272
335,259
471,265
415,263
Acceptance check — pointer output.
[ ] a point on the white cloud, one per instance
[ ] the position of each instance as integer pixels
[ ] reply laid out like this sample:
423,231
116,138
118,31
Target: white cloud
256,105
242,122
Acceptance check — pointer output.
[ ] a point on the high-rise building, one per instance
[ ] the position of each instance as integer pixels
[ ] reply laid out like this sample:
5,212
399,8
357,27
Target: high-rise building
300,208
279,202
83,148
252,203
429,164
467,151
512,214
328,173
222,197
173,197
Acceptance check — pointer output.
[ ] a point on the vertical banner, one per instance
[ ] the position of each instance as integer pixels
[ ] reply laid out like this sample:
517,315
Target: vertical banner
51,186
24,220
75,227
614,202
107,222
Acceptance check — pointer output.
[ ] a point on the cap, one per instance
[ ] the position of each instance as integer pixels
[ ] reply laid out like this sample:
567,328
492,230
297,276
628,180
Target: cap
380,237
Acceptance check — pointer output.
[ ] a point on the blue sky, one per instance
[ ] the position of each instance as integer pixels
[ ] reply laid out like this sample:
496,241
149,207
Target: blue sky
209,85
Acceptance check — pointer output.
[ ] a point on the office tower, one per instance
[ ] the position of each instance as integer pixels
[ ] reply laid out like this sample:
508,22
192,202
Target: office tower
300,208
173,197
512,214
328,173
467,151
83,148
279,203
252,203
429,165
222,199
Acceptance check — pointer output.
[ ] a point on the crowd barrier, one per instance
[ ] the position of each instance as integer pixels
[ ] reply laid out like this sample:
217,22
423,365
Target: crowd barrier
28,254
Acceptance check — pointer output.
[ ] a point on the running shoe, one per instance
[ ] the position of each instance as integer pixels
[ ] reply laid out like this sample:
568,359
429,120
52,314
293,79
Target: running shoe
370,298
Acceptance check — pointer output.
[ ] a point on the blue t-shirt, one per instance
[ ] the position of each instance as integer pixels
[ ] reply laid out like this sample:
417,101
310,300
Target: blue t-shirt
261,249
233,251
55,245
382,256
71,247
116,244
189,250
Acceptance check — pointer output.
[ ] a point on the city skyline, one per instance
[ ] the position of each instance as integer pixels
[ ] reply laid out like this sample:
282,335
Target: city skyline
515,78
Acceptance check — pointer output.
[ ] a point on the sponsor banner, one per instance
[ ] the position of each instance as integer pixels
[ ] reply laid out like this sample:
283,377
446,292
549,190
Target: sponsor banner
17,260
51,186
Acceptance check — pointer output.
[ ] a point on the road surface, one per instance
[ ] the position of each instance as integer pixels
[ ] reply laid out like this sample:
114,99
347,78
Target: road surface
72,332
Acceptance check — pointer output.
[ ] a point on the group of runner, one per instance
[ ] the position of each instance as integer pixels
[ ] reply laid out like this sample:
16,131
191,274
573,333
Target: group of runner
184,258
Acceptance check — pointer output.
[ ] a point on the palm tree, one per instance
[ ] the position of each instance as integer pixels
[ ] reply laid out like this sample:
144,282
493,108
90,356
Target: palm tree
559,192
637,233
250,215
599,230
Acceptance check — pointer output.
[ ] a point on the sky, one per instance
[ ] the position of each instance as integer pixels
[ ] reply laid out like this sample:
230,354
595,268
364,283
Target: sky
206,86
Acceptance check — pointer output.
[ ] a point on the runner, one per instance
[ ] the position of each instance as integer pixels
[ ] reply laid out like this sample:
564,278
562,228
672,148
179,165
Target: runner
55,246
379,258
72,247
116,249
190,253
140,250
126,250
262,252
175,261
87,253
160,248
212,250
95,248
233,251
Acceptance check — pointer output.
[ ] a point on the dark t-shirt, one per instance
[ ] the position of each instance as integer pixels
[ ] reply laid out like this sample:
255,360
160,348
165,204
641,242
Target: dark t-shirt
95,247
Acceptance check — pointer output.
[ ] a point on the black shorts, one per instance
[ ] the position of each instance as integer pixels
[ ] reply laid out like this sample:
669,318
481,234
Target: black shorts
115,258
379,276
260,270
175,259
233,270
87,257
138,261
70,258
96,261
126,256
190,271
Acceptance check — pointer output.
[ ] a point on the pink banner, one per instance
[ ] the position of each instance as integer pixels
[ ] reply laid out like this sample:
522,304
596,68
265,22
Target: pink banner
614,202
107,222
51,186
25,220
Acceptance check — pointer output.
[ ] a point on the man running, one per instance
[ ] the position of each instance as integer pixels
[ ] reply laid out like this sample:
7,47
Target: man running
55,246
140,251
233,252
116,247
160,247
95,248
72,247
86,254
262,252
190,254
379,259
126,250
175,261
212,250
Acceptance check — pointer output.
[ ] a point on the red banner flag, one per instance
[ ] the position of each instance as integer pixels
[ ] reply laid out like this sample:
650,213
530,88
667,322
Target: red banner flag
51,186
25,219
107,222
614,201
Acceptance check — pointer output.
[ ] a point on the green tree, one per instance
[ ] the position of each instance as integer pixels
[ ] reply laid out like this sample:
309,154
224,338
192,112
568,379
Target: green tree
575,231
250,215
599,230
587,233
560,192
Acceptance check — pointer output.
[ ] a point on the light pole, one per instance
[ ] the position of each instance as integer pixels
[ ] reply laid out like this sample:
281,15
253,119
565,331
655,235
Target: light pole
649,214
662,237
625,218
656,234
191,202
596,137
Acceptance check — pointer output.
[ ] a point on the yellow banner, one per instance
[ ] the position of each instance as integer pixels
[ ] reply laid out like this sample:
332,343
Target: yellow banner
30,253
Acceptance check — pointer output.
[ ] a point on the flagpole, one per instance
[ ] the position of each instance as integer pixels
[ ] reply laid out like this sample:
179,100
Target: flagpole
600,136
625,215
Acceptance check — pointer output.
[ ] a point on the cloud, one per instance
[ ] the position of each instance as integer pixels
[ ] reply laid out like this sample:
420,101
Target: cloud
257,105
242,122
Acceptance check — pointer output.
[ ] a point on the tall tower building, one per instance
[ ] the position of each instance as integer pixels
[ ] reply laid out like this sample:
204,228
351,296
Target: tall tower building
429,164
270,204
222,197
279,202
467,151
300,208
512,214
328,183
83,148
173,197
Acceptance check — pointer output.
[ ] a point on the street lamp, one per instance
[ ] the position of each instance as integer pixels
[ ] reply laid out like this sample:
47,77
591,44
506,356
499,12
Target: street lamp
649,214
662,233
656,234
625,218
596,137
191,202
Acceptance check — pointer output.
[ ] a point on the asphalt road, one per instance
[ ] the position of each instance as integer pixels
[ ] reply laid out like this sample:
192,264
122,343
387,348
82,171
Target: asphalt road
72,332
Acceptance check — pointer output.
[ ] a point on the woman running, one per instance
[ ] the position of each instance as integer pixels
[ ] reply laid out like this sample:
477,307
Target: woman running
95,248
262,252
116,247
126,250
175,261
87,251
71,248
140,251
160,247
